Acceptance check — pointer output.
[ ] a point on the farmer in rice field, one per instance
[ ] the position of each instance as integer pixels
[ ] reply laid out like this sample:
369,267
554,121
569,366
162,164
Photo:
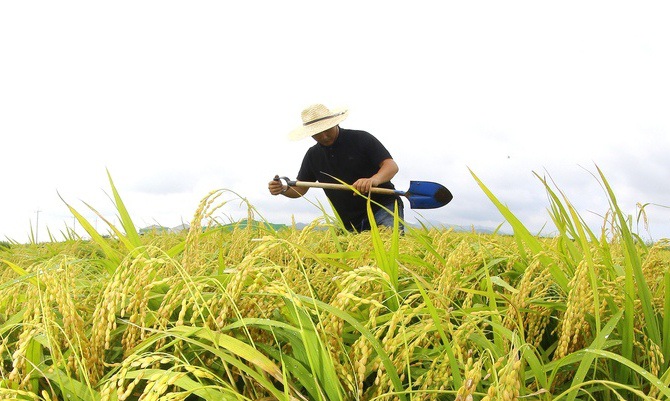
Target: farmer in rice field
352,156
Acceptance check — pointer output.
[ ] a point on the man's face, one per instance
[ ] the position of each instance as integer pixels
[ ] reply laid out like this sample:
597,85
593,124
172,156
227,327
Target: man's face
327,137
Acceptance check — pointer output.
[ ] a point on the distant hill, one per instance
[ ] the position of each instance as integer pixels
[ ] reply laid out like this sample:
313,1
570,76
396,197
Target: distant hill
455,227
155,228
255,223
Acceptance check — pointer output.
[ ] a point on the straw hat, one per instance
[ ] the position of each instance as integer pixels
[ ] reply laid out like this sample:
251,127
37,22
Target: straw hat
317,118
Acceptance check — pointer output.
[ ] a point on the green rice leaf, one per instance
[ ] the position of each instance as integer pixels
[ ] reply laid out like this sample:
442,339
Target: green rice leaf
497,280
126,221
111,253
24,275
387,261
297,369
205,392
232,345
225,349
34,355
316,357
378,347
635,285
587,362
453,361
523,236
651,379
71,388
120,235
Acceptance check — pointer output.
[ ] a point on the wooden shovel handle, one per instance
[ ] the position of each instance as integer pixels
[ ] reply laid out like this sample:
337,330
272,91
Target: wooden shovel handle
329,185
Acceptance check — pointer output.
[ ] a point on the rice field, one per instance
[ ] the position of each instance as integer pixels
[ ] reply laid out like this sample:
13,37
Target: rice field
249,312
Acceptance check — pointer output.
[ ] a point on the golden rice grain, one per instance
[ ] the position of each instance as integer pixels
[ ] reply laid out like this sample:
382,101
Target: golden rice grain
574,327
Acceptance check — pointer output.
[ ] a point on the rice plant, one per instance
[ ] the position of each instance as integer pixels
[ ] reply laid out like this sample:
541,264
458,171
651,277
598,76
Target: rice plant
244,311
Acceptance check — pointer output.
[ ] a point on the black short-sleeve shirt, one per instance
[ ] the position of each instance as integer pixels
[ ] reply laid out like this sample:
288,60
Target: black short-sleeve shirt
354,154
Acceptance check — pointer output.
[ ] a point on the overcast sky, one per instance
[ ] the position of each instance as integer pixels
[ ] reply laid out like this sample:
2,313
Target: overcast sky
177,99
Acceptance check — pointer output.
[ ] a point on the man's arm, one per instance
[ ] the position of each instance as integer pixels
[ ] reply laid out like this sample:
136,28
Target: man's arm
387,170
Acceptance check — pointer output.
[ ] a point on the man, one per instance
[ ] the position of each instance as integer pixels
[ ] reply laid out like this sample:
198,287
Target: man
354,157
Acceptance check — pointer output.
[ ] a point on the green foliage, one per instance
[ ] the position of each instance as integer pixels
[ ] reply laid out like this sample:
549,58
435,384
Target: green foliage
250,310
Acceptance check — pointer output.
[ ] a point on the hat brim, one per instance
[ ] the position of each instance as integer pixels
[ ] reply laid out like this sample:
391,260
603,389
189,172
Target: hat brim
304,131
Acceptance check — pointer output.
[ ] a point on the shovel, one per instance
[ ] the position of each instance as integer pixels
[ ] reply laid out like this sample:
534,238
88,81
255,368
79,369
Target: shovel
421,194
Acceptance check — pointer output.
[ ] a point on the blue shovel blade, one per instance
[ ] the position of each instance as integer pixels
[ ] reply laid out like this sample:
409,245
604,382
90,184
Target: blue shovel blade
427,195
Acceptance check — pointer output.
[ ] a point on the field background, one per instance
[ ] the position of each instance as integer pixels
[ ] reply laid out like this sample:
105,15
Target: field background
248,312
